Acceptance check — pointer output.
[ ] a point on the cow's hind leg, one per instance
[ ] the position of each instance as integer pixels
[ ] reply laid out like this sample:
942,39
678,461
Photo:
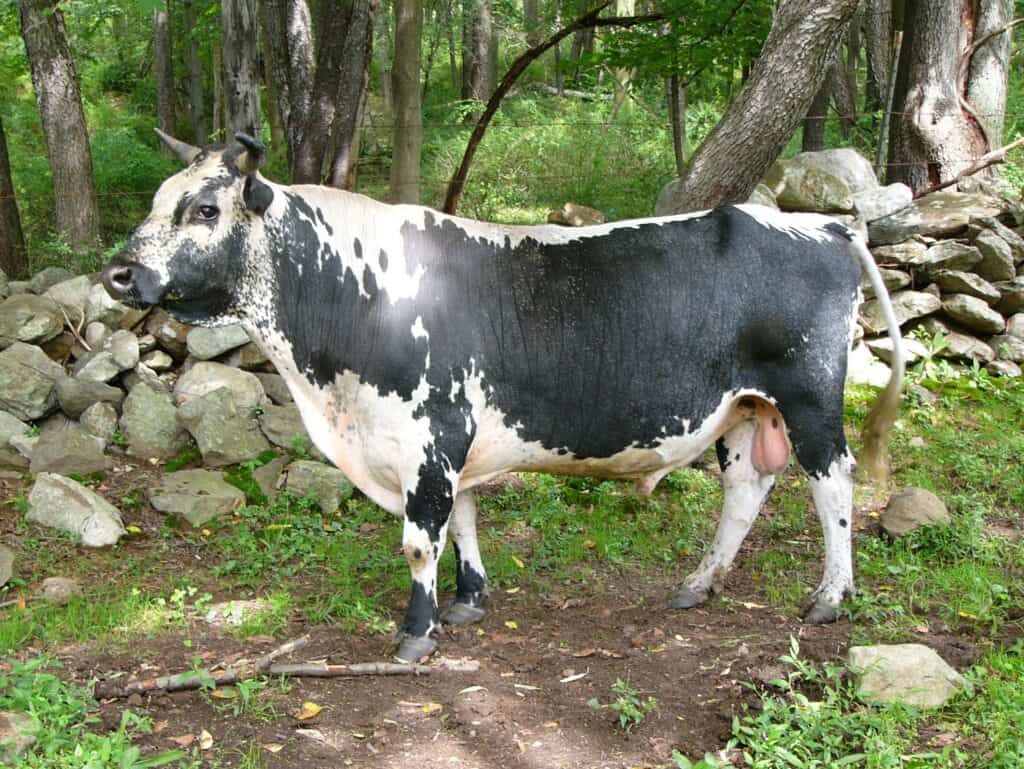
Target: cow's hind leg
471,579
745,492
832,490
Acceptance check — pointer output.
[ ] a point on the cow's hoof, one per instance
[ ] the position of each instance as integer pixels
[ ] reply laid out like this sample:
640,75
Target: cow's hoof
415,648
821,613
686,597
462,614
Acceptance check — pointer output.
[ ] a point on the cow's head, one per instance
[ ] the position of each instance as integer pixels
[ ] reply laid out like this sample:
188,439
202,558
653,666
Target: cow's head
195,253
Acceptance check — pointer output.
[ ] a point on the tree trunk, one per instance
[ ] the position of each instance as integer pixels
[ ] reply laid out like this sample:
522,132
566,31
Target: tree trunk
878,42
195,77
453,65
989,68
217,131
408,130
13,258
559,81
384,59
677,115
289,34
346,30
932,137
479,52
60,109
241,73
623,77
531,23
814,123
271,83
844,94
164,70
767,110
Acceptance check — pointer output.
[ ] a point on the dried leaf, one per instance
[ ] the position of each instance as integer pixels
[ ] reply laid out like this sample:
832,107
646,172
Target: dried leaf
585,653
272,747
183,740
307,711
205,740
511,624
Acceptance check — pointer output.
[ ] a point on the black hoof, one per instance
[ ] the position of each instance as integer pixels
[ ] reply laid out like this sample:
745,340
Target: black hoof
462,614
414,648
686,598
821,613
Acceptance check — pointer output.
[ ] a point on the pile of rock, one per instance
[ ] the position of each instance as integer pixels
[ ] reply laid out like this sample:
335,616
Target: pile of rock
952,261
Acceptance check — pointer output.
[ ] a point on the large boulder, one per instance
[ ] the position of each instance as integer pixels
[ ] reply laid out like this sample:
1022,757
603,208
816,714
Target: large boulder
10,426
76,395
66,504
848,165
71,296
29,318
1004,368
206,377
997,259
881,202
100,307
18,732
118,353
225,431
207,343
907,305
965,348
1008,347
911,674
801,187
950,255
282,425
68,451
973,313
1015,325
882,348
905,254
275,388
946,214
195,495
894,280
1011,296
895,228
956,282
149,423
1013,240
100,420
325,484
911,509
28,381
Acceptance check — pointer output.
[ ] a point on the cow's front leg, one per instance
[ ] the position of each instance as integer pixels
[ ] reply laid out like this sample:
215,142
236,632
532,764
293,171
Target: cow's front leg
427,510
470,577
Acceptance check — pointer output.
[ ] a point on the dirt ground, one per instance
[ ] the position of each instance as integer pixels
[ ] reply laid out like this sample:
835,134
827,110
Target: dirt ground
525,705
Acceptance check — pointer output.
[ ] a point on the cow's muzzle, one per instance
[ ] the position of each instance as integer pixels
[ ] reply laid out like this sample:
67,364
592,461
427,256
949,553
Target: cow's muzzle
132,283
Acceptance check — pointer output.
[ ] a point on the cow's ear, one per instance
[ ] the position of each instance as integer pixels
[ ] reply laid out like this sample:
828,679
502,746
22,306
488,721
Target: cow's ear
252,155
257,194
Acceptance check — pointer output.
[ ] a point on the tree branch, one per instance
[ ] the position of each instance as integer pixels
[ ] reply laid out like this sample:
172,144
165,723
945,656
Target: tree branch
986,160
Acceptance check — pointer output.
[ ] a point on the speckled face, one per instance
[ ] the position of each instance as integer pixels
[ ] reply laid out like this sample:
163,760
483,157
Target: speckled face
193,253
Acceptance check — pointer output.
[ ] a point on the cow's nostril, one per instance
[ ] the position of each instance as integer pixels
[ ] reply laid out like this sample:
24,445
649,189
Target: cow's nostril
121,278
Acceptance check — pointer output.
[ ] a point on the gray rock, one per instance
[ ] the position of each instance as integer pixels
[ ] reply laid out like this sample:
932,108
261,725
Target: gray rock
955,282
100,307
907,305
762,196
17,734
158,360
225,431
1004,368
911,509
4,288
894,280
275,388
208,343
147,344
966,348
946,214
76,395
206,377
799,187
149,423
268,476
197,496
24,444
15,287
47,278
1011,296
881,202
1015,325
905,254
249,357
66,504
912,674
235,613
323,483
100,420
143,373
1013,240
96,366
864,368
27,381
895,228
847,164
12,459
997,258
71,295
950,255
67,452
6,564
171,335
28,318
913,350
95,333
973,313
10,426
1008,348
56,423
282,425
124,347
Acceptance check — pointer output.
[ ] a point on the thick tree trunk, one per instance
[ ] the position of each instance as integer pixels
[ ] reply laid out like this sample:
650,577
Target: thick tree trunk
989,68
13,258
289,33
814,123
767,110
164,69
844,93
269,76
384,57
878,42
624,77
195,77
479,51
346,30
241,71
408,130
60,108
932,136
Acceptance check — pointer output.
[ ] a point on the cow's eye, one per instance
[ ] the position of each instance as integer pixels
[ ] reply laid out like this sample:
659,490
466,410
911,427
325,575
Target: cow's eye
207,213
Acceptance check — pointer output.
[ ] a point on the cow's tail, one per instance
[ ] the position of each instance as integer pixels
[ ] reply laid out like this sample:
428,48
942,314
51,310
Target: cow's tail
873,462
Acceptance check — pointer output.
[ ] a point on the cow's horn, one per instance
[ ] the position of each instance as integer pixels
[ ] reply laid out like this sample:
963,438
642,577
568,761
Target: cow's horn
184,152
250,160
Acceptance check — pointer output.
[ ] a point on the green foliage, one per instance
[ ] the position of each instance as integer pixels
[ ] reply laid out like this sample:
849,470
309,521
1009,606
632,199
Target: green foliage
627,704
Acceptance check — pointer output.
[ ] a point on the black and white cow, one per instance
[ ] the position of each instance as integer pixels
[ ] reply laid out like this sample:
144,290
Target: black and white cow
428,353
